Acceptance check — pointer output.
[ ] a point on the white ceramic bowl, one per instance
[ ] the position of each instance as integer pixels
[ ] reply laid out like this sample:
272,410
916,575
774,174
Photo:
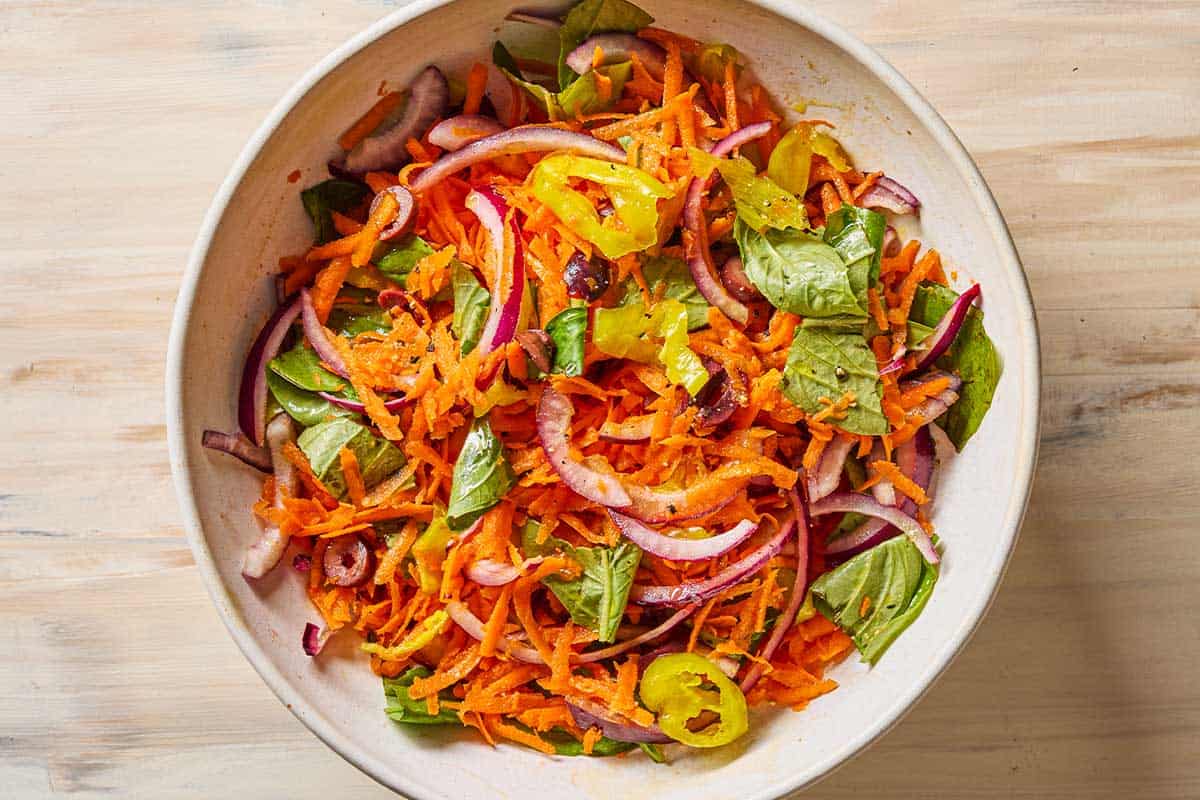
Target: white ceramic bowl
226,293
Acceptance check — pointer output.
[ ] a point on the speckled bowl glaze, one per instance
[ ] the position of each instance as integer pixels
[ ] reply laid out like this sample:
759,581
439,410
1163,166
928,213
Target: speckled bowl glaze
226,296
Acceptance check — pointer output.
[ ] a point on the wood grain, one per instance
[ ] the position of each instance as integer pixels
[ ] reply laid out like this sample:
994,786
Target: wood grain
120,119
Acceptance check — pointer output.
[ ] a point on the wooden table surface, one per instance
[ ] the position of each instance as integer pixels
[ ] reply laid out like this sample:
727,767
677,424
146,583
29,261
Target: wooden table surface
118,122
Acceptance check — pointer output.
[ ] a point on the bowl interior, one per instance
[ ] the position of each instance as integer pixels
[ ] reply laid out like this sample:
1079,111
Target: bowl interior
226,297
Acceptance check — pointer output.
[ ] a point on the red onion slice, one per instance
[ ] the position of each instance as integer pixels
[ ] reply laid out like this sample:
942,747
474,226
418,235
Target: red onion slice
510,102
406,204
799,587
620,647
505,311
734,278
630,431
522,139
891,242
618,47
674,549
880,197
393,405
265,553
593,715
862,504
487,572
252,396
457,132
951,323
824,479
697,591
698,256
554,415
675,505
901,191
915,459
239,447
428,98
883,490
318,338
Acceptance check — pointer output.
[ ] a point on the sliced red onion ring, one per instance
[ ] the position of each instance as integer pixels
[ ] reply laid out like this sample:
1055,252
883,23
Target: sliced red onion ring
618,47
347,561
318,338
393,405
943,453
824,479
891,242
699,257
522,139
554,415
533,18
880,197
538,345
896,364
883,490
799,587
474,627
458,132
648,636
915,459
675,505
631,431
487,572
697,591
406,204
314,638
733,276
428,98
933,407
265,553
239,447
505,310
674,549
593,715
943,335
901,191
252,396
509,101
862,504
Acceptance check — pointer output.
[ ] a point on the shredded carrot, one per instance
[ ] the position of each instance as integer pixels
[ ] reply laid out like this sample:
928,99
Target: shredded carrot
731,103
904,484
352,476
476,85
370,120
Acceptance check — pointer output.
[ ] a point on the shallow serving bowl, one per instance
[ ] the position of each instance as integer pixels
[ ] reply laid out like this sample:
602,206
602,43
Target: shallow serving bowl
226,295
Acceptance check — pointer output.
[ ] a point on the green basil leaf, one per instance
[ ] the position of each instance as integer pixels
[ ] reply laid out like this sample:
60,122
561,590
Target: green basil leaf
301,367
596,598
471,305
972,356
897,582
503,59
675,277
567,745
583,96
351,320
826,363
567,331
327,196
396,258
857,235
591,17
797,272
307,408
401,707
482,476
321,444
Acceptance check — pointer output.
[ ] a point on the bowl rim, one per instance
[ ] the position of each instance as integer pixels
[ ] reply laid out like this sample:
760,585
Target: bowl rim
1026,446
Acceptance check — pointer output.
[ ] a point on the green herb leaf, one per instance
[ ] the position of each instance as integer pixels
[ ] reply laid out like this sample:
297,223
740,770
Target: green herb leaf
797,272
567,745
321,444
826,363
351,320
503,59
898,583
307,408
761,203
301,367
596,598
591,17
653,752
482,476
471,305
401,707
583,96
675,277
327,196
972,356
396,258
857,235
567,331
